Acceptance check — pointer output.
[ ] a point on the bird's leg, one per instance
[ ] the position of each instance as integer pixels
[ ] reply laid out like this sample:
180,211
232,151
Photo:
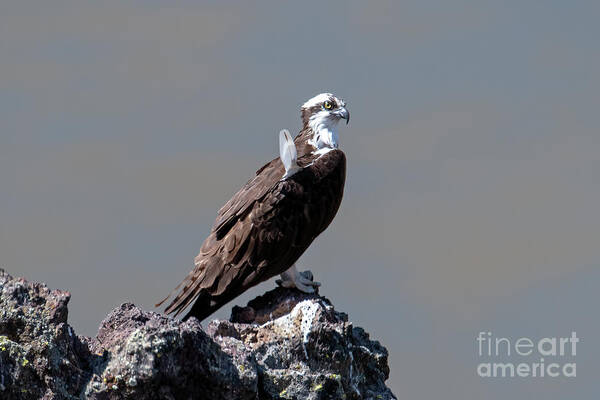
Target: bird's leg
302,281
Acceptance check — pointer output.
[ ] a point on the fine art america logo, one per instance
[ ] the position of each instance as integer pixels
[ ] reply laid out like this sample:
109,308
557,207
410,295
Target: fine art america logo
550,356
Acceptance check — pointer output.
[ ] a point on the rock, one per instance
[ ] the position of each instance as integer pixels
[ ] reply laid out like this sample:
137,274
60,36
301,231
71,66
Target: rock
146,354
282,345
40,355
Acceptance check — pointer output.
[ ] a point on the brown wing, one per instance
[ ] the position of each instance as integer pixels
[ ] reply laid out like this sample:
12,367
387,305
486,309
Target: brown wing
208,263
262,231
253,190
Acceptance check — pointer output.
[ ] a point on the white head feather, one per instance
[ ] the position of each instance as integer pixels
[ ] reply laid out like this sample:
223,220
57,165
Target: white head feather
324,122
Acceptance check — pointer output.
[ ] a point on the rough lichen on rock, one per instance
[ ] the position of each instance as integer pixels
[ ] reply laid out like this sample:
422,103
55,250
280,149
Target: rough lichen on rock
282,345
40,356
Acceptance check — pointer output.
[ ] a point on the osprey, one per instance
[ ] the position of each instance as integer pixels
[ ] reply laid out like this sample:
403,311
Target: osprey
267,225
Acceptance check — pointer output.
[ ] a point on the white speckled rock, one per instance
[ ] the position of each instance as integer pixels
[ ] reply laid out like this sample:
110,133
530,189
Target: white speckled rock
282,345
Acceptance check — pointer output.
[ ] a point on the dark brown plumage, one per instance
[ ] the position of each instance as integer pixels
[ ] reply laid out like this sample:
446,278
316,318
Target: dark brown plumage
264,228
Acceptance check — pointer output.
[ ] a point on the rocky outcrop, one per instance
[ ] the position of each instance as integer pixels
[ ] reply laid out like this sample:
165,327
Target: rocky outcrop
282,345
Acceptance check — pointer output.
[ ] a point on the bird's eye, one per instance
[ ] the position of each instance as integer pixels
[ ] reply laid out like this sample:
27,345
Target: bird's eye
327,105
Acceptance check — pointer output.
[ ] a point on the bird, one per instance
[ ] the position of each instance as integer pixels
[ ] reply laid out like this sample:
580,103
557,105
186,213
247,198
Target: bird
273,219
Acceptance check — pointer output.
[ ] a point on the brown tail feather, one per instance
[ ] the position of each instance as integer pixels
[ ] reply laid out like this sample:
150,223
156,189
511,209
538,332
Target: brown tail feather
206,304
170,294
202,308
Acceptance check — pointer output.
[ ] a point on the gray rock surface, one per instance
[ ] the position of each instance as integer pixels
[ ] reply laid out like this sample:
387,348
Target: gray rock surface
282,345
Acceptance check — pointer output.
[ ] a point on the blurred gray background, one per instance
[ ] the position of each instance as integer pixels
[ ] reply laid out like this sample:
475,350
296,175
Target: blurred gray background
473,162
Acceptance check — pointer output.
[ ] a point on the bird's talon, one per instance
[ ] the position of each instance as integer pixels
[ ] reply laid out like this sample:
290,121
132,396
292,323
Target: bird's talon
302,281
307,274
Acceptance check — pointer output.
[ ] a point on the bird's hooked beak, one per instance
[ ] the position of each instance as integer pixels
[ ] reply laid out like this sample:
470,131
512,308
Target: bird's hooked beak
343,114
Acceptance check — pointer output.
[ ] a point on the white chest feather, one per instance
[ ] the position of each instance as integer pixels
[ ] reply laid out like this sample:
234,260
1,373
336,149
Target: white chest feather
325,133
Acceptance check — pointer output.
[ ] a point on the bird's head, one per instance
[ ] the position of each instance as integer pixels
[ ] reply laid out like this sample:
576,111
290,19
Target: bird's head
321,114
325,107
